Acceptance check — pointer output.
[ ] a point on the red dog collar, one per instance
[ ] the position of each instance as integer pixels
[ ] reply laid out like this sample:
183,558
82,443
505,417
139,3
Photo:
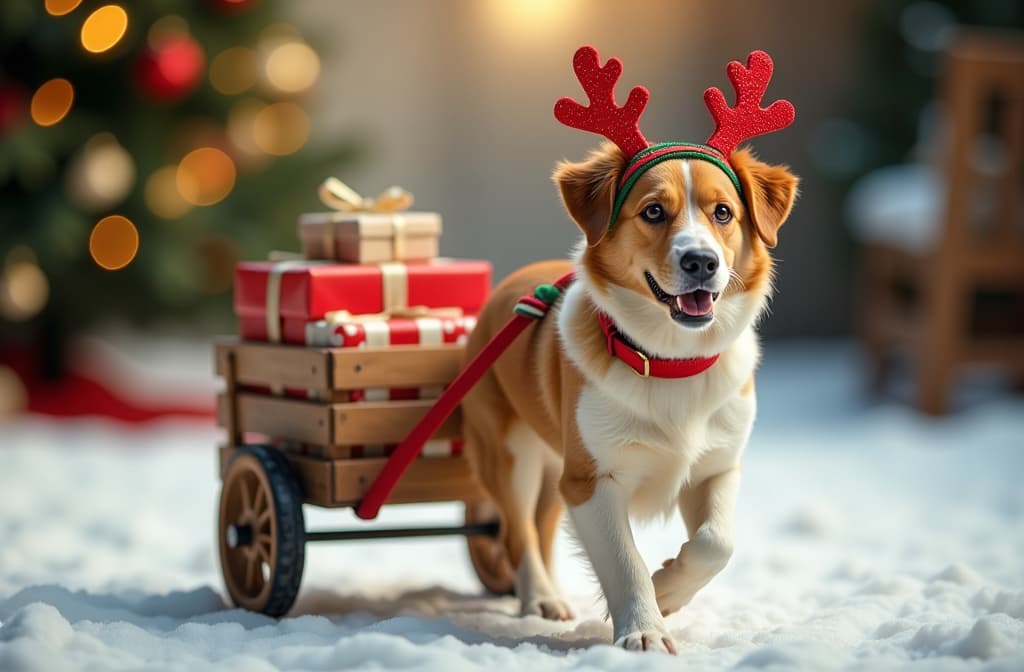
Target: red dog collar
645,366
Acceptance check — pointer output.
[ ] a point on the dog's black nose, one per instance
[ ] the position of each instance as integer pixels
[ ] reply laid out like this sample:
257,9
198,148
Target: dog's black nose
699,264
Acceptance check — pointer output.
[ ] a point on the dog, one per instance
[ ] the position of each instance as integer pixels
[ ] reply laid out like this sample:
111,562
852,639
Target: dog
560,421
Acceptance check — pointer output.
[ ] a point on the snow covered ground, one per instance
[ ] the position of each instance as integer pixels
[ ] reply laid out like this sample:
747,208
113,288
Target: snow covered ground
868,538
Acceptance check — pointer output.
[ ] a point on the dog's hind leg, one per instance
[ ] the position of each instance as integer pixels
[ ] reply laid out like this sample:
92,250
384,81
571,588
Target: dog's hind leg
550,508
529,530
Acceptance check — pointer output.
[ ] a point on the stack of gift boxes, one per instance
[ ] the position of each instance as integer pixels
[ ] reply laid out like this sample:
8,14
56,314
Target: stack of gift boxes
365,280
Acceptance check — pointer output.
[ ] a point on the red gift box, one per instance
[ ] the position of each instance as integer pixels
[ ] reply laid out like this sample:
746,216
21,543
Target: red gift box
275,300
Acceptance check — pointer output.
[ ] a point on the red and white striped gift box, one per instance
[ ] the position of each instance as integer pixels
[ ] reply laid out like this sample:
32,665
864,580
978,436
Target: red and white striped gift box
348,331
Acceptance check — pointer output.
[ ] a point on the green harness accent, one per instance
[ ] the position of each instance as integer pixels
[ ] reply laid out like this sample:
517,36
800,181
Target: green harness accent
643,162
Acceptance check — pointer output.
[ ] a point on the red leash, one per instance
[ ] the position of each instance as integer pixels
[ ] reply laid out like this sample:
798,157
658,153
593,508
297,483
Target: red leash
528,310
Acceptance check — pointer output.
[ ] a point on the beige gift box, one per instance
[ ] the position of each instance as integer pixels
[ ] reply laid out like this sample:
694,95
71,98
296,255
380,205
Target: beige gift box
370,237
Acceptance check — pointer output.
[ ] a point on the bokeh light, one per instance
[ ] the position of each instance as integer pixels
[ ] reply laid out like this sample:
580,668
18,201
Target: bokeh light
205,176
61,7
102,175
52,101
281,128
162,196
292,67
24,289
114,242
234,70
104,28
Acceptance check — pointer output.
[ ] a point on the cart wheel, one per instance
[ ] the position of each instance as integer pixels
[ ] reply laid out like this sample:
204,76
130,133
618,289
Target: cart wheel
262,534
487,553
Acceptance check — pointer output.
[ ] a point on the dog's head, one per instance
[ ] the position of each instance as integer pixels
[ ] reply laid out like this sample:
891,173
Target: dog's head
685,263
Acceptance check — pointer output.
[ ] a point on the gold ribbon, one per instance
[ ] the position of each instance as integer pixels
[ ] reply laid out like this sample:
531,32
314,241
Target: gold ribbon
411,312
337,195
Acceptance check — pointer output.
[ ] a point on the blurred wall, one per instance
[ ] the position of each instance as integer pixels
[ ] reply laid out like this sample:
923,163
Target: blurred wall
453,100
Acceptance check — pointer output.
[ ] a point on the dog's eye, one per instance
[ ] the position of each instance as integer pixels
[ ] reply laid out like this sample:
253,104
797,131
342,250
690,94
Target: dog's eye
723,215
653,214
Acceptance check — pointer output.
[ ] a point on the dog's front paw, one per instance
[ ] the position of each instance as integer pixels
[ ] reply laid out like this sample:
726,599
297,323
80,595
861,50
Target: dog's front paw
551,608
671,588
648,640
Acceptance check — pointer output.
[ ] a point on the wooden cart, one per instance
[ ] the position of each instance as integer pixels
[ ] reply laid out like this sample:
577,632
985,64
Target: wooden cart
284,451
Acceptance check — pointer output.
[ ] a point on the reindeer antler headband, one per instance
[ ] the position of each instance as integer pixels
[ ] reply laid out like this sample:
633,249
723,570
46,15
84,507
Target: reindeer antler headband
733,125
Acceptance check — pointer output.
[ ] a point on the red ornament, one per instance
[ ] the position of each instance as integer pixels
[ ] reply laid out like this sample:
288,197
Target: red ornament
171,70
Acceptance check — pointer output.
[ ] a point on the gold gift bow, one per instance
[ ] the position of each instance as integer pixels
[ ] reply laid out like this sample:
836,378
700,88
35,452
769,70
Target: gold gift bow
337,195
411,312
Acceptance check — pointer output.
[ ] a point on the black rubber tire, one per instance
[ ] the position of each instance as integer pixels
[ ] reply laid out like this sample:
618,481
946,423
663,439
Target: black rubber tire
289,558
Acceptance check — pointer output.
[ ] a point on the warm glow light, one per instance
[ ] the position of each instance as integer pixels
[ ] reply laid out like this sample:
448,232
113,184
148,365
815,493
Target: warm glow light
52,101
234,70
292,67
205,176
26,290
102,174
162,195
104,28
531,18
61,7
114,242
281,128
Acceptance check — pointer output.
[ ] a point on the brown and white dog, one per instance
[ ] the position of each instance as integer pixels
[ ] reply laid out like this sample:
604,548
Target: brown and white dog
635,395
685,273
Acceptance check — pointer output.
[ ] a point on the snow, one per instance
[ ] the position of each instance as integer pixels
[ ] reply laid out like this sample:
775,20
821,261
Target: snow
868,538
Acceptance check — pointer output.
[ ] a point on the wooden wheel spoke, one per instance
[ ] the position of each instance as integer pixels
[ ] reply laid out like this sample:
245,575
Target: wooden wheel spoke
263,519
263,552
251,566
259,500
243,488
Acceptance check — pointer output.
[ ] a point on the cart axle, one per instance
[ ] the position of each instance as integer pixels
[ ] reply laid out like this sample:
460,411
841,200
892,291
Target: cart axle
489,529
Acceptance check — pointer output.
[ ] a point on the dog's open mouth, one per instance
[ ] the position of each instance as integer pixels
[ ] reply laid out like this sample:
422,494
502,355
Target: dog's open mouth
695,308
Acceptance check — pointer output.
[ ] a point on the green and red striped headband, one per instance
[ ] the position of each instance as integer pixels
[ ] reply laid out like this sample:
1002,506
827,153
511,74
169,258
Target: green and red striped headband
733,125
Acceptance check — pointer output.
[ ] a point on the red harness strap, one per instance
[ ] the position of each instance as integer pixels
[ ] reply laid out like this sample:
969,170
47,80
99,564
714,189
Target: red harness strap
649,367
533,307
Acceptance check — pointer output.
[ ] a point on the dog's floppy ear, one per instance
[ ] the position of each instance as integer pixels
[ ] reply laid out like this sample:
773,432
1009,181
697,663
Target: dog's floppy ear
769,191
588,189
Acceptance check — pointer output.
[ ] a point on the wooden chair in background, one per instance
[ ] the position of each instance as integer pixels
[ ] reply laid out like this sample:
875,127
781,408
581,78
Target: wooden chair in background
960,300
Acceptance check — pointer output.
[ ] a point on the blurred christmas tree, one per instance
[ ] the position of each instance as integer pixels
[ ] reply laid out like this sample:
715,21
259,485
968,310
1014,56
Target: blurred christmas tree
144,147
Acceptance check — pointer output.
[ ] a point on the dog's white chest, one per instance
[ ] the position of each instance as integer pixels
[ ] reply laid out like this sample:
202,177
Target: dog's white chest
650,434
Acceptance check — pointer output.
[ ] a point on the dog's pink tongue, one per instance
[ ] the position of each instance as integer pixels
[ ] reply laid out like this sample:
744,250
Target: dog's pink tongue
695,303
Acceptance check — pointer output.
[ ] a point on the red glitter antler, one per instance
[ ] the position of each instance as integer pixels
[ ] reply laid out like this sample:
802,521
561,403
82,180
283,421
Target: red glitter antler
733,125
603,116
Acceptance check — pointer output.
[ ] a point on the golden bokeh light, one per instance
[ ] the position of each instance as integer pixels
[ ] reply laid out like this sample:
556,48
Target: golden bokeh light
281,128
234,70
104,28
205,176
52,101
162,196
292,67
25,290
61,7
101,175
114,242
